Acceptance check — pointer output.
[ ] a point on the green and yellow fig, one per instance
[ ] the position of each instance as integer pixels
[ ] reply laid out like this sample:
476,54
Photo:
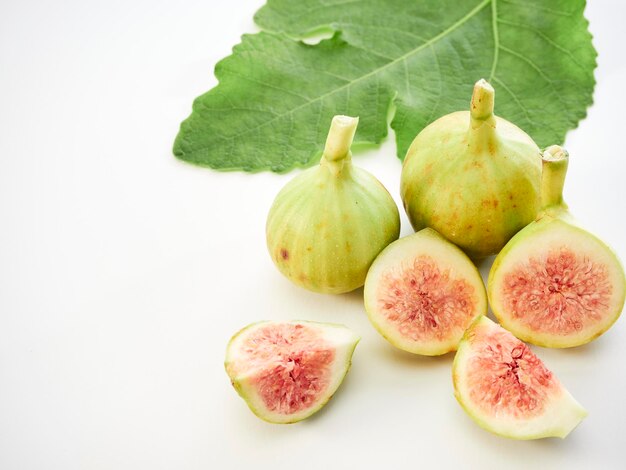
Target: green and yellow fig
329,223
555,284
473,177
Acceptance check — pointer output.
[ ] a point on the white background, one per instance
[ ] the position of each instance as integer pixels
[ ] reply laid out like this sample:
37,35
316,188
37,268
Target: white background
124,272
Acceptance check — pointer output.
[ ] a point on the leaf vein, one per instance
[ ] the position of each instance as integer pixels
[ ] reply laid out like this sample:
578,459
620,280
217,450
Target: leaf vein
540,8
267,85
322,6
546,38
515,98
496,38
434,108
386,28
538,70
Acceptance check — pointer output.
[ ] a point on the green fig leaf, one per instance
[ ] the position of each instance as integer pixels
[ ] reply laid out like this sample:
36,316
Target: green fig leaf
276,94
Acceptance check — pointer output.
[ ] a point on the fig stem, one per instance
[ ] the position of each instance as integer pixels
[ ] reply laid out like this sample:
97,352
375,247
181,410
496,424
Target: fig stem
481,106
482,132
340,136
555,160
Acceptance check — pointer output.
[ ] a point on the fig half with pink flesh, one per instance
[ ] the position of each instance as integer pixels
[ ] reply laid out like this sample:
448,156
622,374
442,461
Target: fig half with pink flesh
554,284
422,292
286,371
507,389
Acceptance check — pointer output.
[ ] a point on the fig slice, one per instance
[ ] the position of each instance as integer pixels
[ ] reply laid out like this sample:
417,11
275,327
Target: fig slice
507,389
288,370
554,284
422,292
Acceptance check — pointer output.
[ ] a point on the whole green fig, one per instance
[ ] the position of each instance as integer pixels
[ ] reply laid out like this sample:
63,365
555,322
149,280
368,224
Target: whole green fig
328,224
473,177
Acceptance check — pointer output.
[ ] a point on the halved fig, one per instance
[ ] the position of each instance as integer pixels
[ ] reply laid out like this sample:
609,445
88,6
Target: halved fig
507,389
554,284
422,292
286,371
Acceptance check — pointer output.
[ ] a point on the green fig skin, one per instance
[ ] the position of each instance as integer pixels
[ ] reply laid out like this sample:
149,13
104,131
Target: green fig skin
473,177
556,226
328,224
